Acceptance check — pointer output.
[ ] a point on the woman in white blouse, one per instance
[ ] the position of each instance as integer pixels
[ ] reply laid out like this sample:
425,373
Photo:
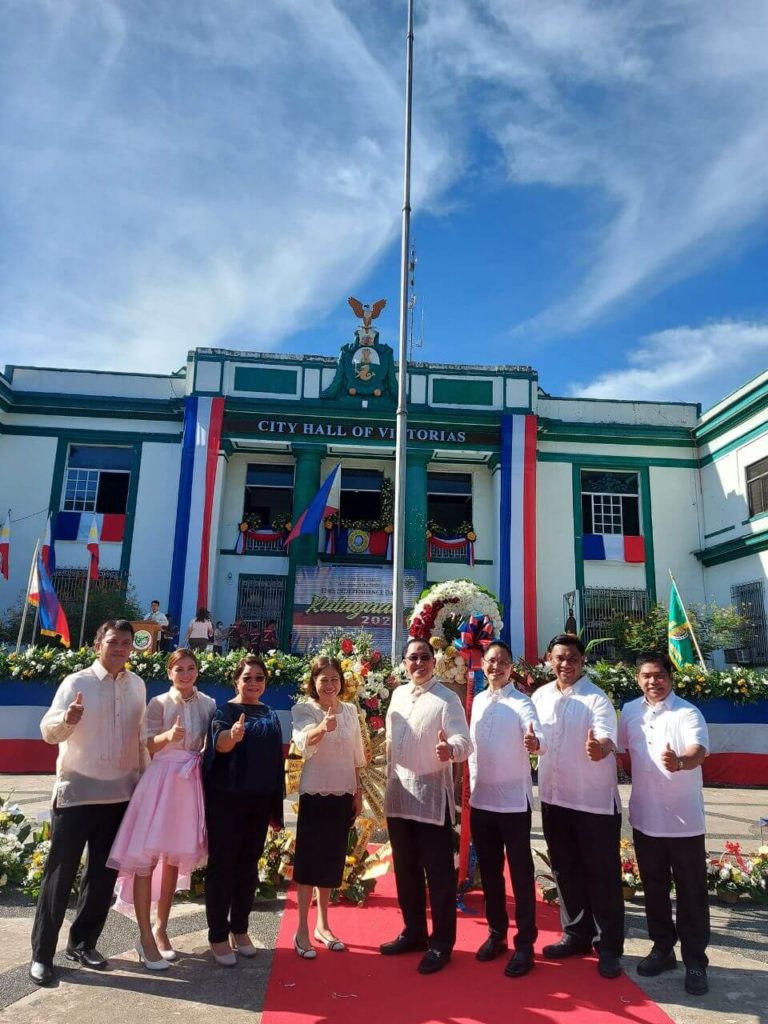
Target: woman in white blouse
163,832
327,732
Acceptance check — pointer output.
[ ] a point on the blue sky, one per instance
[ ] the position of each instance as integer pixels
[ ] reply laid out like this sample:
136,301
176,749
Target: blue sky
590,192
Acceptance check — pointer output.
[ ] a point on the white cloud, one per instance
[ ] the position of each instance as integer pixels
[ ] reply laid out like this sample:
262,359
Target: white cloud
685,364
183,174
658,110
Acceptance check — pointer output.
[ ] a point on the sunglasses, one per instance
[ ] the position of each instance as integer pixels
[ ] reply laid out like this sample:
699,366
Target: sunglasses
419,657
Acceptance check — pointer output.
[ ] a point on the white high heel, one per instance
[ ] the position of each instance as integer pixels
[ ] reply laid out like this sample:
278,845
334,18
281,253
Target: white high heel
224,959
248,951
151,965
166,954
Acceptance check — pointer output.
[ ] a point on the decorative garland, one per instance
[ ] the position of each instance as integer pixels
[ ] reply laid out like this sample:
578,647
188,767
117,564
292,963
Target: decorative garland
385,520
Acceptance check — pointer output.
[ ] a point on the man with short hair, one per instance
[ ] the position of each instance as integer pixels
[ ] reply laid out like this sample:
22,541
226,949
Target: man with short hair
581,809
97,718
155,615
426,731
667,740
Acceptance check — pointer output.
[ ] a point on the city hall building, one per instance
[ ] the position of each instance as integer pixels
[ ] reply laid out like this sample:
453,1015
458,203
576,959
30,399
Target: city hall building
568,509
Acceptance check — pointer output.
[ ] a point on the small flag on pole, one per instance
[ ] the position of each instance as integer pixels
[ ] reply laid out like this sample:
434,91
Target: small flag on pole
42,595
324,503
47,550
679,631
5,546
93,547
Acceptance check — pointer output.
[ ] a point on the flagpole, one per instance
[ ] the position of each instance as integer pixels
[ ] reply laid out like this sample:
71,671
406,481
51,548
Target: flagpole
688,619
398,547
26,598
85,601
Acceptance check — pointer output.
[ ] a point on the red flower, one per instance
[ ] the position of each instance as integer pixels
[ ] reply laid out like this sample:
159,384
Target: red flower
373,703
347,646
375,657
376,722
364,669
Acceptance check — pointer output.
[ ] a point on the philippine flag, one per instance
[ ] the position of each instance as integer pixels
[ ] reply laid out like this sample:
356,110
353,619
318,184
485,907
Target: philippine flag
5,546
53,621
47,550
93,547
324,503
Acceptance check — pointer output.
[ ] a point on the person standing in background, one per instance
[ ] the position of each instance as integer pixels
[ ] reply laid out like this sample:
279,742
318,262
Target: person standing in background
200,631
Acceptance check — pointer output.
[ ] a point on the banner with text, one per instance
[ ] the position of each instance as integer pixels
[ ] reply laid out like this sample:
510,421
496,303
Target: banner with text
349,597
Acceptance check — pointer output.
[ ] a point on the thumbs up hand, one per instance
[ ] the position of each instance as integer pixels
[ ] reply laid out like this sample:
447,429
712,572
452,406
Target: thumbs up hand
443,748
531,740
593,747
238,729
669,759
329,722
177,732
74,712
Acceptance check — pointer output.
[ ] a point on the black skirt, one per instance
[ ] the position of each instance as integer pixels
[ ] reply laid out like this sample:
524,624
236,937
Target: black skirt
322,831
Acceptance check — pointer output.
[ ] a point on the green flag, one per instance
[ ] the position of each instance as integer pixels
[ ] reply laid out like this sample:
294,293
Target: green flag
679,632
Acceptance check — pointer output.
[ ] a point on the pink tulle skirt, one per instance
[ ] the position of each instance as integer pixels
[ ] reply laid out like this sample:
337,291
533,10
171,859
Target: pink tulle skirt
165,822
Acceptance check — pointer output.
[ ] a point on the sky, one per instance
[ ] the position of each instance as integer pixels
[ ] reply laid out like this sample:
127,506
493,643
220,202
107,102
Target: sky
589,184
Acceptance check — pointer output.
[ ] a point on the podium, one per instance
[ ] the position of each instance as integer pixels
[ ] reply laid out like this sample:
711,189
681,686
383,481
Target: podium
146,636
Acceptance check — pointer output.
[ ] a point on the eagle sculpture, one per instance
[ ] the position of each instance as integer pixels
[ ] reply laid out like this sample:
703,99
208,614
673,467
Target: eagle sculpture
365,312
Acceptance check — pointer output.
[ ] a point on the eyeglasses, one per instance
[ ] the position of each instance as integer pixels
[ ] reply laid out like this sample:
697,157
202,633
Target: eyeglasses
493,663
418,657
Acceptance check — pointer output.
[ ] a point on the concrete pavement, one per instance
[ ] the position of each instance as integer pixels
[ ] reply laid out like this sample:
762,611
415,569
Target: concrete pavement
738,972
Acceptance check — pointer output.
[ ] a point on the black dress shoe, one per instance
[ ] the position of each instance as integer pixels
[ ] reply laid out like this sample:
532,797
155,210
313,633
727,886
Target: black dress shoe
87,957
608,965
656,962
494,946
520,963
696,983
566,947
41,974
403,944
433,961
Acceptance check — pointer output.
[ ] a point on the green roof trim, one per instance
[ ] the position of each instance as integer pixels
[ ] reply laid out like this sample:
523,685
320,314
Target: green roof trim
266,380
730,550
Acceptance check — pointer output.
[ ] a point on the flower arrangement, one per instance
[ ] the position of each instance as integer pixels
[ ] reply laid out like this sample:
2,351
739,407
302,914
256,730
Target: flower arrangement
441,608
283,668
282,523
361,869
731,874
276,862
250,521
630,876
450,667
384,521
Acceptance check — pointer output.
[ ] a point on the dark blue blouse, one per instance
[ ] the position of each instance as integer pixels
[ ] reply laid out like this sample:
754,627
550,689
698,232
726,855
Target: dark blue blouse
255,765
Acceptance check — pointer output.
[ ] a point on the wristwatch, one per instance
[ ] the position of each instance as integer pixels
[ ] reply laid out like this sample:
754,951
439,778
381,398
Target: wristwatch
680,765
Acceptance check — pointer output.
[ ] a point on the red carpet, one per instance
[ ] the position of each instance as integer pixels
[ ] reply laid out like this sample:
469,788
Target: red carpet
363,987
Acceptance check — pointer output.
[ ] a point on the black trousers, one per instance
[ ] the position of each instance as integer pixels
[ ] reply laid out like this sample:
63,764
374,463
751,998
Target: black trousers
493,834
237,829
419,850
584,851
659,860
72,829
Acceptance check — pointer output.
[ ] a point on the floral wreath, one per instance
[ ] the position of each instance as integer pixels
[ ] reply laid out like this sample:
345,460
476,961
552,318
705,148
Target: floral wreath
442,607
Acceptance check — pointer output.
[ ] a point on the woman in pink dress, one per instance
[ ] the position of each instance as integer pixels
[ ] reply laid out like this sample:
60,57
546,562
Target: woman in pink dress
163,832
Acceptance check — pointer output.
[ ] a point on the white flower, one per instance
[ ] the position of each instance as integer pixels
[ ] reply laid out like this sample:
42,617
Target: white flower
725,874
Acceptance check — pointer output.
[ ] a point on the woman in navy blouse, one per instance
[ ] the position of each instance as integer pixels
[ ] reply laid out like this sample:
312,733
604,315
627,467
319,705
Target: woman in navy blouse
244,795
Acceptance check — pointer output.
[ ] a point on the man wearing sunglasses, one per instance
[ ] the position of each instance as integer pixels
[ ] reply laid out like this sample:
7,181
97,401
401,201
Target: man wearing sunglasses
426,731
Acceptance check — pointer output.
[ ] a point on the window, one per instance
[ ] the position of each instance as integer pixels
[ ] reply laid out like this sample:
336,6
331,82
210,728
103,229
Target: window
757,487
360,494
449,499
268,492
609,503
97,479
749,600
